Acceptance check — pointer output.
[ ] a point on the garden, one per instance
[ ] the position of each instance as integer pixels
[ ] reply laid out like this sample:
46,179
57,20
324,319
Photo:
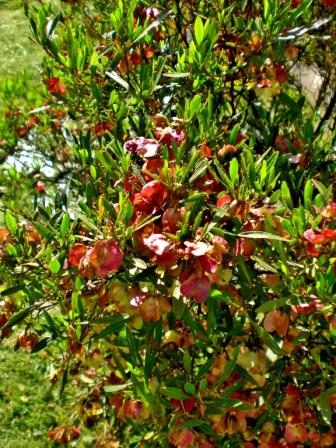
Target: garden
168,223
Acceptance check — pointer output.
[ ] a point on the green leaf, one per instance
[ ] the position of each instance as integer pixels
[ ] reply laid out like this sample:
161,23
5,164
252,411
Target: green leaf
42,230
89,223
11,223
114,388
132,345
41,345
286,195
10,249
187,361
150,361
178,307
262,235
229,367
244,374
192,423
190,389
54,266
117,323
263,264
63,381
233,134
325,409
266,9
330,391
175,393
308,194
118,79
199,30
205,367
267,339
234,171
195,105
19,316
203,384
139,263
51,324
12,290
218,405
308,132
65,224
52,25
176,75
153,25
193,323
221,296
272,305
224,177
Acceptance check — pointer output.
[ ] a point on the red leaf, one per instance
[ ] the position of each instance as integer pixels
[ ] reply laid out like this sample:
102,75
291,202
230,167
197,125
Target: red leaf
197,248
101,128
276,321
330,210
154,193
158,243
170,219
223,200
169,135
76,254
152,166
281,74
109,256
329,233
244,247
315,237
295,432
183,405
197,287
146,146
207,264
181,437
329,3
105,257
293,391
206,151
312,250
150,310
54,85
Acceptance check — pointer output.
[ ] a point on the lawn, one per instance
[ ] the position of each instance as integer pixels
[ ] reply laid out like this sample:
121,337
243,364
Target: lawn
29,407
18,51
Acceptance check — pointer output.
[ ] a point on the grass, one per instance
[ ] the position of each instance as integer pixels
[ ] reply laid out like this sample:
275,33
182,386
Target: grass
30,404
18,51
28,407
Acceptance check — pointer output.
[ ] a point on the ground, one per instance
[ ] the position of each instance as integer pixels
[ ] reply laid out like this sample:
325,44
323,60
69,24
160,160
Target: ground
18,51
28,407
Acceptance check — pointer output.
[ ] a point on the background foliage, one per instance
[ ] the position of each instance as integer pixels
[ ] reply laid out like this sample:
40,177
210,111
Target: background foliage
171,243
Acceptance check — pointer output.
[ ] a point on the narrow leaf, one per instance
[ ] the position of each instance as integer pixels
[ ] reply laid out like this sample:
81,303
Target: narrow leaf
267,339
229,367
11,223
118,79
113,388
153,25
272,305
262,235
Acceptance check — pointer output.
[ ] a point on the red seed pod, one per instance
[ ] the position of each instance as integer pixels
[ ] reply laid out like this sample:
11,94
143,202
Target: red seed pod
150,310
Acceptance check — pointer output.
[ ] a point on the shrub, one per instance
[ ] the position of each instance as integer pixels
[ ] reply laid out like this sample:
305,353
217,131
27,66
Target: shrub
183,276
